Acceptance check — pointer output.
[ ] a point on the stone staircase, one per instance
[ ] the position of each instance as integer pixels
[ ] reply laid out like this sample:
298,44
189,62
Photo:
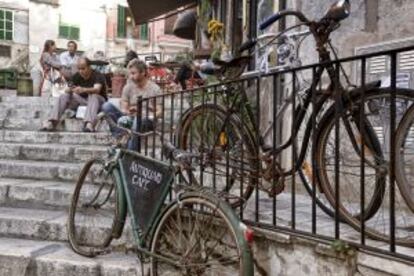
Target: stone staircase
37,175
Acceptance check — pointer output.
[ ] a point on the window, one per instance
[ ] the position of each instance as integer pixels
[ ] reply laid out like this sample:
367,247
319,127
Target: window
5,51
69,31
121,27
126,27
6,25
143,32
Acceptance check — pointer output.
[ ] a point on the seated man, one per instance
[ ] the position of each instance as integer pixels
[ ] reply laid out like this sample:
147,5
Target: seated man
137,85
88,88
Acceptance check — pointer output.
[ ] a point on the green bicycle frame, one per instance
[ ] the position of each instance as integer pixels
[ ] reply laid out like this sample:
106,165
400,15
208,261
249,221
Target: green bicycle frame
125,202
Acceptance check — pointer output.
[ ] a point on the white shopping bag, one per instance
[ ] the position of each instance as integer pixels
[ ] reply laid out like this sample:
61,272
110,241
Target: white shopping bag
81,112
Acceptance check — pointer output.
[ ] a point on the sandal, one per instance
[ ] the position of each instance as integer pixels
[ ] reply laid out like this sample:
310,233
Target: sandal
48,126
88,128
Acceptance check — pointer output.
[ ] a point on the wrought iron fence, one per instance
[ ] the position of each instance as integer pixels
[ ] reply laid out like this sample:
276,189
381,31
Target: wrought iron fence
321,151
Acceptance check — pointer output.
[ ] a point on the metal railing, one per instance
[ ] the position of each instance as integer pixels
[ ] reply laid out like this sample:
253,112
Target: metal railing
304,152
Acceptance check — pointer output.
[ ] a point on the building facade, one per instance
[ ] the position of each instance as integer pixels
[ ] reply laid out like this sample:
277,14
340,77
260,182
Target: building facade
99,25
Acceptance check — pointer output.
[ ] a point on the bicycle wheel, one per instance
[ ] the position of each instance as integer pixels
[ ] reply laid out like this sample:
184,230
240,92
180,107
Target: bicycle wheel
404,160
376,211
94,210
201,235
229,157
306,171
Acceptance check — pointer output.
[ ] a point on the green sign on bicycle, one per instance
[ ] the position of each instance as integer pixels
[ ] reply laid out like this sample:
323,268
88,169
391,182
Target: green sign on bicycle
147,181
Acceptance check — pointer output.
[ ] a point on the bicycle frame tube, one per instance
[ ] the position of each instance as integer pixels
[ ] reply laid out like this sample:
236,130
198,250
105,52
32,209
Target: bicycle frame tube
122,204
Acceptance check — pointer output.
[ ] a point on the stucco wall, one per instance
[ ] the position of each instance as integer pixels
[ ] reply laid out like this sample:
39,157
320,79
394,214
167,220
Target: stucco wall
20,31
44,20
395,21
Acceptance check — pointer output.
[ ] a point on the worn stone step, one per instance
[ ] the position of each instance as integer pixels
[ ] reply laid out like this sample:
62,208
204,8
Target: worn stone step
72,138
50,152
23,124
39,169
35,123
40,194
27,100
44,258
51,225
52,170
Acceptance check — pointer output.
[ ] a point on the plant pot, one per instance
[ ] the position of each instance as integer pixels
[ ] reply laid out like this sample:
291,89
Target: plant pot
24,86
118,82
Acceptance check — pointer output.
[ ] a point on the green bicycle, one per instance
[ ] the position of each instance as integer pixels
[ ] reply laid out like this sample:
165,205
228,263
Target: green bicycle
195,234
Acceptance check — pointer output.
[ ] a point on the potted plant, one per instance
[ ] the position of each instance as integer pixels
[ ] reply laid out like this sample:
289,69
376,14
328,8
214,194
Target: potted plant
24,81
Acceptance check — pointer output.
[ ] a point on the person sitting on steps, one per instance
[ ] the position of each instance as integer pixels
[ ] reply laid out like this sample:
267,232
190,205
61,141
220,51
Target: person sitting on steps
138,84
88,89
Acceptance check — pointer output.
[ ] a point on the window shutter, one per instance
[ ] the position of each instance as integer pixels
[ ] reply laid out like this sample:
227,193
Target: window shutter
144,32
74,34
379,67
9,15
121,28
64,31
6,25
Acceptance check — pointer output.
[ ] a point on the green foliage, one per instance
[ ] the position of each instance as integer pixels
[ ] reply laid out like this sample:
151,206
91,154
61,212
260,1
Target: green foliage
342,247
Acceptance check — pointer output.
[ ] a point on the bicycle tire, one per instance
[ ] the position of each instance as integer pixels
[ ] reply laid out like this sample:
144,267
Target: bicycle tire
84,238
305,170
235,134
374,221
405,130
200,232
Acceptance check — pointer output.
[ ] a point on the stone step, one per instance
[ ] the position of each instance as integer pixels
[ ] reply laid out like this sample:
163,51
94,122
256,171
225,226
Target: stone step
35,123
53,170
42,194
22,124
27,100
44,258
39,170
7,92
50,225
71,138
51,152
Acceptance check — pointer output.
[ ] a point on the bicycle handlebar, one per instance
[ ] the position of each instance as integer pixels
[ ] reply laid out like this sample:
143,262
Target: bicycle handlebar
273,18
247,45
182,157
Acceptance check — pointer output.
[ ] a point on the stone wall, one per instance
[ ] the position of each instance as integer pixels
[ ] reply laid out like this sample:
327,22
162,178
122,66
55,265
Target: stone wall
282,254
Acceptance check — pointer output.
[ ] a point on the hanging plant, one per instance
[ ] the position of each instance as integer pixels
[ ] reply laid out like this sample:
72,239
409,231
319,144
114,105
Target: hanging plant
216,33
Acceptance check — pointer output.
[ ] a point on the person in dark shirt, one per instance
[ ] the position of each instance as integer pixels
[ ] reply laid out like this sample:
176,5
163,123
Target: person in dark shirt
87,88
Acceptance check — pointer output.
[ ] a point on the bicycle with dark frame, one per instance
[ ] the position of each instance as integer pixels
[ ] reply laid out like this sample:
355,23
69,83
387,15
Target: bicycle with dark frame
228,139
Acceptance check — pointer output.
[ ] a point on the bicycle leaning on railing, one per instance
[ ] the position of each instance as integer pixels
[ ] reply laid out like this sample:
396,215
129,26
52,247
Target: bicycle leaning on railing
230,145
195,234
